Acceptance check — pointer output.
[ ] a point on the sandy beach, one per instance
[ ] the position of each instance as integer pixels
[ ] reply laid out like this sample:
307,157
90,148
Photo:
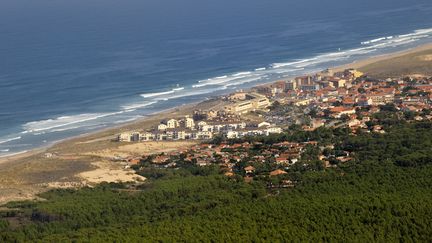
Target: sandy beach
360,64
85,159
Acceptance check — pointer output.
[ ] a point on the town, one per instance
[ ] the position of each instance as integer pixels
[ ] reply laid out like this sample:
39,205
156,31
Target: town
204,125
325,99
234,137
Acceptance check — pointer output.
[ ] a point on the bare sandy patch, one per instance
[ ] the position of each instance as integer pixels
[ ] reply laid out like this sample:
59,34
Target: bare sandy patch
143,148
156,147
425,58
110,172
13,194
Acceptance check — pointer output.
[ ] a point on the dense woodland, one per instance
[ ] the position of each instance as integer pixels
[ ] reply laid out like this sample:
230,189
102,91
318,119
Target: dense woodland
383,195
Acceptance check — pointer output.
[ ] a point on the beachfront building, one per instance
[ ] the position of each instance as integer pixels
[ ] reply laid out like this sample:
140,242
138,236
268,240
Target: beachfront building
262,124
202,125
162,127
182,134
189,122
172,123
353,72
129,137
202,135
239,108
273,130
225,126
251,102
337,82
291,85
252,131
147,136
232,128
238,96
306,83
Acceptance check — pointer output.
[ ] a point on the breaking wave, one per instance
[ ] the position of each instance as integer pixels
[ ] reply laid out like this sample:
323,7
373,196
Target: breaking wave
7,140
133,107
157,94
64,121
192,93
150,95
12,154
369,46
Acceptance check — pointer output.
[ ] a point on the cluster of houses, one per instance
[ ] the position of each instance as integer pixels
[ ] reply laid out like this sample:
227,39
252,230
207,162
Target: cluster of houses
247,159
187,128
346,98
351,96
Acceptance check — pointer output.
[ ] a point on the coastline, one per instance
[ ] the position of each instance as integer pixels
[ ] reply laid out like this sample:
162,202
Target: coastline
104,132
84,159
98,133
364,62
24,176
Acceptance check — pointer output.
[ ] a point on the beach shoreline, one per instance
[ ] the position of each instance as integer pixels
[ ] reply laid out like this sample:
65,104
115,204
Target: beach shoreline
20,155
24,175
367,61
355,64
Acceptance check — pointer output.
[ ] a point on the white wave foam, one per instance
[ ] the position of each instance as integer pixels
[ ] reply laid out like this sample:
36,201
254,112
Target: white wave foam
219,80
59,130
191,93
244,81
370,46
4,150
74,127
128,120
288,70
260,69
279,65
64,121
12,154
129,110
373,41
394,42
423,31
241,74
407,35
178,89
10,139
150,95
404,38
132,107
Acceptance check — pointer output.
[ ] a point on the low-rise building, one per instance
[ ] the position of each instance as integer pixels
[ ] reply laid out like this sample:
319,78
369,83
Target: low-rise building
172,123
162,127
252,101
129,137
189,122
338,111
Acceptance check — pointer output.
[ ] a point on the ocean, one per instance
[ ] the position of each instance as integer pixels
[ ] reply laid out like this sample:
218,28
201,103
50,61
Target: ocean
71,67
